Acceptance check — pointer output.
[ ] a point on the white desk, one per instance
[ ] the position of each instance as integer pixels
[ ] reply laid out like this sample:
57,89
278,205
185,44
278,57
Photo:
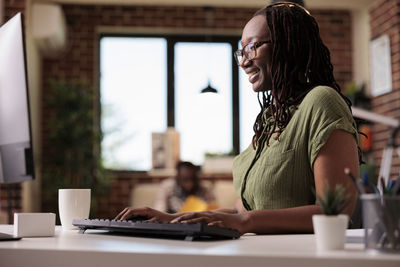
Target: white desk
68,248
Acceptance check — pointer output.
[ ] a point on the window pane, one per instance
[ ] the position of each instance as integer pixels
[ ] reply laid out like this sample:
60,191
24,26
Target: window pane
133,99
248,108
204,121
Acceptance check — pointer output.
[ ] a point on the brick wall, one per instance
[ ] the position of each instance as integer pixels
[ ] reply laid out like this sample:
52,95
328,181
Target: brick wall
335,30
11,7
385,19
79,61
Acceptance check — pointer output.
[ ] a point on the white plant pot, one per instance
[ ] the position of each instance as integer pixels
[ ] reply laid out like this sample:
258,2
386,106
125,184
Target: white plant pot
330,231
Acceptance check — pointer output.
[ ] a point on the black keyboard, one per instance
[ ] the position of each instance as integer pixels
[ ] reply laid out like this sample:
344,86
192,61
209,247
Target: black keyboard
188,231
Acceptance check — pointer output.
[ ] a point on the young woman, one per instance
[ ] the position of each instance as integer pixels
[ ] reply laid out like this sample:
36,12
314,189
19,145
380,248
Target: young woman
305,134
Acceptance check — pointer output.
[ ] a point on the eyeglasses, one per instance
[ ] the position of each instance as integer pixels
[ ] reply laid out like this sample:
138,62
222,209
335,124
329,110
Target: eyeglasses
249,51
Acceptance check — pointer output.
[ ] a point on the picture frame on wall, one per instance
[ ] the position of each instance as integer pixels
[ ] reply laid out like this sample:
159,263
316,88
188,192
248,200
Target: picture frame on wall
381,66
165,152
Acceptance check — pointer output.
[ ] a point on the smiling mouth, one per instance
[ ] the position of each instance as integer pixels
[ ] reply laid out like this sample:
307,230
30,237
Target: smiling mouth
252,75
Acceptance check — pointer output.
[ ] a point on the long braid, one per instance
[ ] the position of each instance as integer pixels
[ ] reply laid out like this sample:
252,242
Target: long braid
265,102
294,32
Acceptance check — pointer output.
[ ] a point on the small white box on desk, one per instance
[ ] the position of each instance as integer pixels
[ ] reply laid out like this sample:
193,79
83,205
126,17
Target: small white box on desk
34,224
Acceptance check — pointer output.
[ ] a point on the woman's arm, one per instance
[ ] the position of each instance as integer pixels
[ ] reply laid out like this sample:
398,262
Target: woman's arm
339,152
237,209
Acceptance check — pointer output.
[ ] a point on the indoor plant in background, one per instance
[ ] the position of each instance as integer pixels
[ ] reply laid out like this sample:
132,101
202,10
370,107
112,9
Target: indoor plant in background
330,227
218,162
71,157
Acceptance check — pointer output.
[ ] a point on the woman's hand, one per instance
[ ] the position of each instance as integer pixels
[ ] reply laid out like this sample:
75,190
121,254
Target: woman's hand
233,221
151,214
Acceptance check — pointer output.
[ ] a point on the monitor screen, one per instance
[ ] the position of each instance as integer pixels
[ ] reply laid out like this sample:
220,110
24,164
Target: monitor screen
16,156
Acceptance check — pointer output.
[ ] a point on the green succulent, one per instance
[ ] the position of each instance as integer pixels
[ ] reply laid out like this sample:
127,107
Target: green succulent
334,201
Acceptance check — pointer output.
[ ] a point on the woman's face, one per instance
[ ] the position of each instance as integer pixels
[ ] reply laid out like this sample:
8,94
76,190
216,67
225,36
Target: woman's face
259,68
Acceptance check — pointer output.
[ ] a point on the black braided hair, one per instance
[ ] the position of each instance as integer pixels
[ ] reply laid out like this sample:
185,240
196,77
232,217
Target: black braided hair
300,61
299,2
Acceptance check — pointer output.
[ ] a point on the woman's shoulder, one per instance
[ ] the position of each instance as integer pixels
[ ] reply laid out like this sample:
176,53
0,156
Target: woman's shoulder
325,98
321,92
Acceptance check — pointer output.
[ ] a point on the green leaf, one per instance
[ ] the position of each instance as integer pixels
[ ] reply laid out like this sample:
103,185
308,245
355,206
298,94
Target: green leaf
334,201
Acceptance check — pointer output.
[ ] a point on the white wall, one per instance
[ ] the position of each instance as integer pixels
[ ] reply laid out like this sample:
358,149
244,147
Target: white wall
360,38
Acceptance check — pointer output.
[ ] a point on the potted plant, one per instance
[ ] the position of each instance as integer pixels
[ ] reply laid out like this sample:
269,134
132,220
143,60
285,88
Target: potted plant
218,162
72,158
330,227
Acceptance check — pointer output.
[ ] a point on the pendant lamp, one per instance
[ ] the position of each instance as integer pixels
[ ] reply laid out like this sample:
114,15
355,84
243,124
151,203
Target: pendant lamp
209,89
208,38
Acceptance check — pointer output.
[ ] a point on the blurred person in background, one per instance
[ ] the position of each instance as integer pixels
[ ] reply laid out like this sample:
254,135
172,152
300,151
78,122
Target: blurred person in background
185,192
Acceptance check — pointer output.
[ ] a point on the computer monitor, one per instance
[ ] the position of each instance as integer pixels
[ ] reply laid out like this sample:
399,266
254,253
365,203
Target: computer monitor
16,155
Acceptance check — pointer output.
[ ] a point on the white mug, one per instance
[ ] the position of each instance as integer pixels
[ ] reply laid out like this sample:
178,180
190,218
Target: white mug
73,204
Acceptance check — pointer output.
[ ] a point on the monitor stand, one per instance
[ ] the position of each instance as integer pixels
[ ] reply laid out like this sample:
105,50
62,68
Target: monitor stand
7,237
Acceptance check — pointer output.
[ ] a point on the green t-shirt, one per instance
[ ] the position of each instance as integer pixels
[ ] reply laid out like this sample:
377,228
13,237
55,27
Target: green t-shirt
281,175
